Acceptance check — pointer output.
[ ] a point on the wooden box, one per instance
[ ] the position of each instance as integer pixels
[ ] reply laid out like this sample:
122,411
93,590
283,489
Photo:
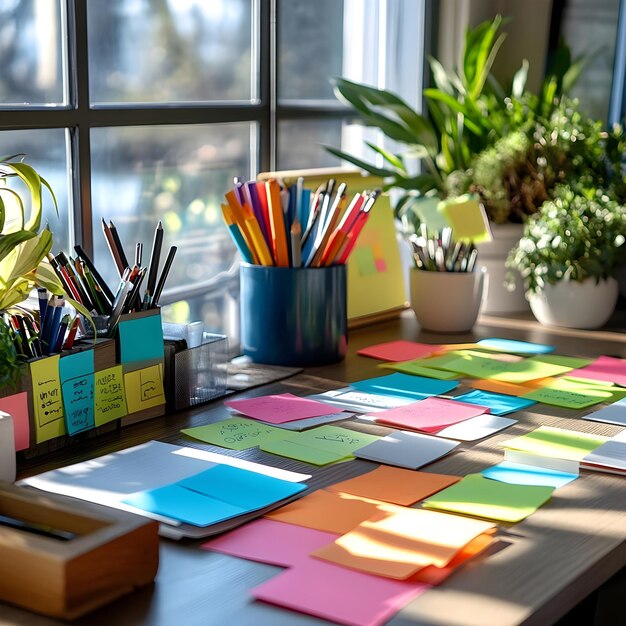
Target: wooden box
112,553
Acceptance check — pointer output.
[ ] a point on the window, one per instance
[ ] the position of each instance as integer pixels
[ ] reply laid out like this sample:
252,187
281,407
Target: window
144,110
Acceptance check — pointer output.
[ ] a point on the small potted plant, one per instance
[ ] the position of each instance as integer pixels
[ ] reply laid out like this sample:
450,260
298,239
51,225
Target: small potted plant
568,257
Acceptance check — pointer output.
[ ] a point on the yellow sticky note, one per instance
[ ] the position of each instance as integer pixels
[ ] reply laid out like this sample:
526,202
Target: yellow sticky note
467,218
482,497
47,399
144,388
110,395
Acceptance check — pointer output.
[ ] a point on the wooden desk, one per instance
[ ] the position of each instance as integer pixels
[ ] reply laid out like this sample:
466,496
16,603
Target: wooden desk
547,565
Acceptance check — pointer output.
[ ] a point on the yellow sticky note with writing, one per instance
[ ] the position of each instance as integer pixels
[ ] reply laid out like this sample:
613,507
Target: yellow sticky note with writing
110,395
467,218
47,399
144,388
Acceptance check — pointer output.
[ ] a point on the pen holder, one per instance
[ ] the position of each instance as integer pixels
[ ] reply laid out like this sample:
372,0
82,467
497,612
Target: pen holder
293,316
447,302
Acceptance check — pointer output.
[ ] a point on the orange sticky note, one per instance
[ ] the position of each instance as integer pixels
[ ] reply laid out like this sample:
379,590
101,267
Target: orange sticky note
331,512
399,350
396,485
398,545
509,389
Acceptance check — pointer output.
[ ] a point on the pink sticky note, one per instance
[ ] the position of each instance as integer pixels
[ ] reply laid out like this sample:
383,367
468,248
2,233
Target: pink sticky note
338,594
284,407
274,543
605,368
17,407
430,415
399,350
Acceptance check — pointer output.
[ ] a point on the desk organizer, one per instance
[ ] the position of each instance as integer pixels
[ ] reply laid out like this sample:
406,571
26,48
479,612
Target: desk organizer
196,375
112,553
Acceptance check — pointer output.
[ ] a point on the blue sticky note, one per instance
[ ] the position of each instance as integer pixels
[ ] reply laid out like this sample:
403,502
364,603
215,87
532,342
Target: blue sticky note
242,488
405,385
182,504
516,347
497,403
520,474
141,339
76,372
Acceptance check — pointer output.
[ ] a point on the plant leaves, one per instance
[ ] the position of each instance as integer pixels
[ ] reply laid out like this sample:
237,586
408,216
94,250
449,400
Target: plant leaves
519,80
368,167
392,159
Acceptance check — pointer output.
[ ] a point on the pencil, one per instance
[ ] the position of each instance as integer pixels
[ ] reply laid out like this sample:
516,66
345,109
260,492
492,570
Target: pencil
164,274
277,223
154,259
296,251
112,249
92,268
118,244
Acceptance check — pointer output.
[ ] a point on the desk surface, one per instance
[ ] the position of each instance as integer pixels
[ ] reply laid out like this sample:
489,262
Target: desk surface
545,564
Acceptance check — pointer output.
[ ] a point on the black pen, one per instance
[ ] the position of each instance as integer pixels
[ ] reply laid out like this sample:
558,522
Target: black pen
154,260
163,277
94,272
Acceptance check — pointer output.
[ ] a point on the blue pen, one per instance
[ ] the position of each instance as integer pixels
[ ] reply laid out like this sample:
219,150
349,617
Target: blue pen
42,293
46,323
56,322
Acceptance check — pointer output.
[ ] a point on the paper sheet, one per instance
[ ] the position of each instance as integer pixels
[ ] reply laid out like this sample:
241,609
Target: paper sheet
613,414
477,427
235,433
520,474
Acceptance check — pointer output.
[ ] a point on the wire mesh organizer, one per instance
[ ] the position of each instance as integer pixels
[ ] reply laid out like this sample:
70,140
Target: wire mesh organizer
196,375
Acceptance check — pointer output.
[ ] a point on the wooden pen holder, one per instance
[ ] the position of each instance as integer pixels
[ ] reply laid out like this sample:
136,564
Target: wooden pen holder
112,553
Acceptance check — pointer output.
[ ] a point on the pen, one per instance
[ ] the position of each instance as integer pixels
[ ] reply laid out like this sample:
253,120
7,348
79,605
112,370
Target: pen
163,277
92,268
154,259
118,244
112,248
138,253
42,294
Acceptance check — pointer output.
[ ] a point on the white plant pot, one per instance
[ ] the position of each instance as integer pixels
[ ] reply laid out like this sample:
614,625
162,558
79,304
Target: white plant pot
492,256
575,304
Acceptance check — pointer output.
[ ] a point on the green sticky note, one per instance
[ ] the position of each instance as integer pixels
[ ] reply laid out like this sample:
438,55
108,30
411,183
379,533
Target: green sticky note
364,260
567,361
141,339
569,394
235,433
293,450
482,497
343,441
410,367
476,366
467,218
557,443
428,212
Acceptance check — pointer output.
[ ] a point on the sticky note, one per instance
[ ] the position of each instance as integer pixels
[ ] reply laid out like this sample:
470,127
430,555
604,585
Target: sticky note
405,385
271,542
426,209
498,404
478,496
568,394
359,401
567,361
276,409
476,427
141,339
17,407
397,545
47,399
520,474
511,389
243,488
559,443
604,368
410,367
467,218
406,449
517,347
395,485
613,414
110,395
144,388
429,415
399,350
307,454
235,433
77,385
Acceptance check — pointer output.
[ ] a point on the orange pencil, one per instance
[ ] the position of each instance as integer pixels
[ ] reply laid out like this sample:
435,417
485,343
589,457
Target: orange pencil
256,235
277,224
262,194
229,219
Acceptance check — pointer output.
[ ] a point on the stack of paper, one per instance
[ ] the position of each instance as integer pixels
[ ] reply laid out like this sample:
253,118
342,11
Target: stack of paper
610,457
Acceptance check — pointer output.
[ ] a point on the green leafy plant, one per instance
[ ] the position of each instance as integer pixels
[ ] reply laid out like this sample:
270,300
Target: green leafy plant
577,235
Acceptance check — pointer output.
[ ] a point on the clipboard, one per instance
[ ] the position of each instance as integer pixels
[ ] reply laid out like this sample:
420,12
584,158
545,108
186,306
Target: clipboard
376,286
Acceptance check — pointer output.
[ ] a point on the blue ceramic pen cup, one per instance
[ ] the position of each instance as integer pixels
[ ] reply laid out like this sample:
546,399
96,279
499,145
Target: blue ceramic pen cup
293,316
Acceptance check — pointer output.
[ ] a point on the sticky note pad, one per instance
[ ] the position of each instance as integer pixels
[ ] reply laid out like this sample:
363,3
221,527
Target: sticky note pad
47,399
276,409
141,339
17,407
569,394
498,404
110,395
559,443
467,218
144,388
406,449
397,545
405,385
243,488
395,485
307,454
77,386
429,415
416,369
399,350
521,474
235,433
605,368
516,347
478,496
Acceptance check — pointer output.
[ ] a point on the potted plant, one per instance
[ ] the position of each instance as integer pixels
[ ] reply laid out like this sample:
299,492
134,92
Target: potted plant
568,257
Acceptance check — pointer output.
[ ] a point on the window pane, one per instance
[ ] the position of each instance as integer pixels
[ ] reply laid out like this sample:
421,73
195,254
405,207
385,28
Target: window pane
176,174
170,51
301,143
32,53
590,26
46,151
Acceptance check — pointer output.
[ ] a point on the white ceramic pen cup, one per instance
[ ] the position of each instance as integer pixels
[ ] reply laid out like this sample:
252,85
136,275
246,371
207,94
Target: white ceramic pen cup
447,302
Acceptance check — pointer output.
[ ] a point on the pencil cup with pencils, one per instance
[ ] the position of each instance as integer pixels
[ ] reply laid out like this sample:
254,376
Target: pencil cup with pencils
293,316
446,287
